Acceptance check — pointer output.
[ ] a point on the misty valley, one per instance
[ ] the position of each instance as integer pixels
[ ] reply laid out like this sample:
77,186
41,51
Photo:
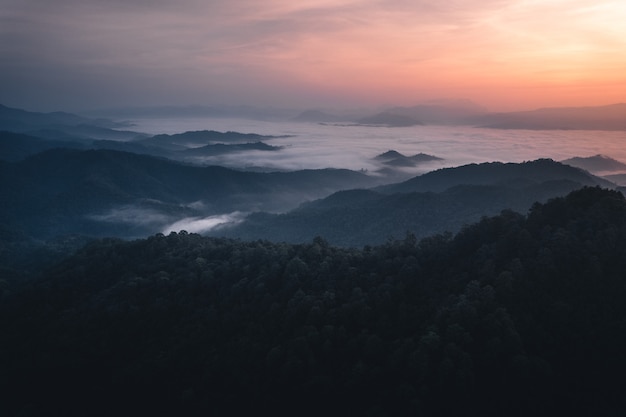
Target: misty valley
428,260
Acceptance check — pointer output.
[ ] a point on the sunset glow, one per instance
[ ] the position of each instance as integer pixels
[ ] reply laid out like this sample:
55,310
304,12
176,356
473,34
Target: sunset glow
504,54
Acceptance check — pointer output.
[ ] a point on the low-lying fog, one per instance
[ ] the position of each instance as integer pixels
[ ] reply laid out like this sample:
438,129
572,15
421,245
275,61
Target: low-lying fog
311,145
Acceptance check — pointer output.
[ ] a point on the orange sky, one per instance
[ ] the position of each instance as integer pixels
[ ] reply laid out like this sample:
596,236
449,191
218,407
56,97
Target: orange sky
504,54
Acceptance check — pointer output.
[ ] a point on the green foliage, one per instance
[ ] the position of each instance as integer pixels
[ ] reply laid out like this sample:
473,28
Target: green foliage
516,315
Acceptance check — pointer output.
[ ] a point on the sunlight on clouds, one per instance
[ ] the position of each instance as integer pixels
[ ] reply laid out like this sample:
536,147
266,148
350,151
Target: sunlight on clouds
360,51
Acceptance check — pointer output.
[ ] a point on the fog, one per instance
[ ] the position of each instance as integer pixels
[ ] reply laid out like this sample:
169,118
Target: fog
204,224
312,146
318,146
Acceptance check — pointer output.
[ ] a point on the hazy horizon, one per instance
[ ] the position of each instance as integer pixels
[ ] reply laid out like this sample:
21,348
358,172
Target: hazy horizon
505,55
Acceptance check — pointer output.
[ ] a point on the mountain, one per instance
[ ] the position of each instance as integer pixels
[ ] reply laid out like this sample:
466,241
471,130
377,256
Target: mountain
222,148
596,163
443,112
106,192
17,146
610,117
495,173
191,139
396,159
441,201
60,125
364,217
619,179
16,119
389,120
514,316
183,146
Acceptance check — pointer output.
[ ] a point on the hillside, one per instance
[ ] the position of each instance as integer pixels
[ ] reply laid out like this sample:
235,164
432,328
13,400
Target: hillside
495,173
516,315
192,139
394,158
116,193
596,163
61,125
222,148
17,146
437,202
364,217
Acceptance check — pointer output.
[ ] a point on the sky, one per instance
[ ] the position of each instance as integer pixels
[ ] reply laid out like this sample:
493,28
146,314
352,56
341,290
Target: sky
503,54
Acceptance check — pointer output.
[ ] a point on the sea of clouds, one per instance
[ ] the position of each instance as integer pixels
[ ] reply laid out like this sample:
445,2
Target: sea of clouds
317,146
312,145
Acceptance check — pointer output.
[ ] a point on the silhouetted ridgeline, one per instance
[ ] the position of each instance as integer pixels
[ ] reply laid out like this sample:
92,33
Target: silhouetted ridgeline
64,191
61,125
436,202
516,315
495,173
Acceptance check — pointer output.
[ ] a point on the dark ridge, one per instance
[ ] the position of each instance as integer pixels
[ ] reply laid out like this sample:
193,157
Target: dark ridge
515,315
494,173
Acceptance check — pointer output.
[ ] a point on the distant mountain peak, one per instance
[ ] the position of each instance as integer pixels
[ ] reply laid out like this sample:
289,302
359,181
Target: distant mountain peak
596,163
389,119
396,159
316,116
390,154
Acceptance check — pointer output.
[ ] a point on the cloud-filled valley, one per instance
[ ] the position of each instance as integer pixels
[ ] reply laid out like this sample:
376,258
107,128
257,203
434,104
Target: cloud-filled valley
213,174
311,257
313,208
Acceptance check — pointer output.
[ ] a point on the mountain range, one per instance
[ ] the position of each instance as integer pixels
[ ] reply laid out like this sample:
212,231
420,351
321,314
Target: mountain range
610,117
492,289
97,187
61,125
596,164
66,191
467,113
440,201
24,133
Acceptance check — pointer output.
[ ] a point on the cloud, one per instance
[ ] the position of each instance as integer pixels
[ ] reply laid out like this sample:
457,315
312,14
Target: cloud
97,52
204,224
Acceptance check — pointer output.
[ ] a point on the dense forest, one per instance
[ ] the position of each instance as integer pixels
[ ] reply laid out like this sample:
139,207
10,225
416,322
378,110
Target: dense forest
516,315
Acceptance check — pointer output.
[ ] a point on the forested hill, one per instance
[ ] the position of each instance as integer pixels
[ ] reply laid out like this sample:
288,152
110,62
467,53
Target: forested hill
65,191
495,173
515,316
439,201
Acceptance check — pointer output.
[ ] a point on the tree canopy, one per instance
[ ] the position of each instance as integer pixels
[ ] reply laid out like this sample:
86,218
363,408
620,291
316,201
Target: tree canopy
515,315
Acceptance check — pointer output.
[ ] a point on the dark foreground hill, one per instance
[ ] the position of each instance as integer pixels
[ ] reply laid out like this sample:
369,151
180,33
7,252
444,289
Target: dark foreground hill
515,316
